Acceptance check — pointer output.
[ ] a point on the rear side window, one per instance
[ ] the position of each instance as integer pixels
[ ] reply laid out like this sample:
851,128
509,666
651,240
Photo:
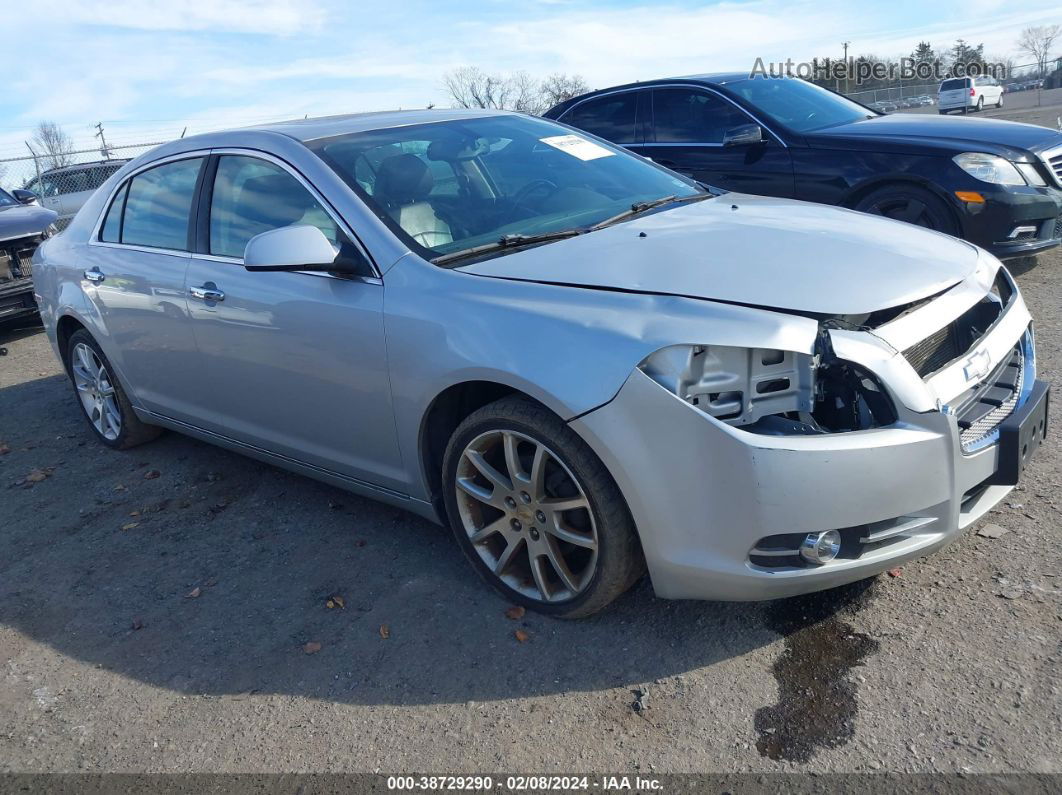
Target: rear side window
954,83
112,224
159,204
612,117
252,196
73,181
682,115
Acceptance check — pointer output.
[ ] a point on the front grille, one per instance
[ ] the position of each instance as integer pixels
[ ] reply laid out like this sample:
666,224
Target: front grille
949,343
16,258
992,401
1053,158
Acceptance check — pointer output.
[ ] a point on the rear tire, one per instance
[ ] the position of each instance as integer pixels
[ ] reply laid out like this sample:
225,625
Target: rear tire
508,468
980,104
910,204
999,102
100,396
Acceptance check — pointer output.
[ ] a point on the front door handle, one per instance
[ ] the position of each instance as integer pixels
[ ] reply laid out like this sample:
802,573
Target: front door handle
207,292
94,275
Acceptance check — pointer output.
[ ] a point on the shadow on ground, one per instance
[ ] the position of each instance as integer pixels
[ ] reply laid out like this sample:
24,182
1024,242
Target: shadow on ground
210,578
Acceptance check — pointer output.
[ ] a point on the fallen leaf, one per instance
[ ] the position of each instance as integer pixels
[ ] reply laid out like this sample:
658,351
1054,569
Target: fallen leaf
37,475
134,513
120,487
312,647
130,525
330,604
895,572
522,636
211,582
194,593
151,474
335,600
515,613
4,449
992,531
137,624
385,631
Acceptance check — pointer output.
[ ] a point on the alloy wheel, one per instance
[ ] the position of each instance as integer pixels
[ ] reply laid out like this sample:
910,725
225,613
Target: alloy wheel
905,208
96,391
527,516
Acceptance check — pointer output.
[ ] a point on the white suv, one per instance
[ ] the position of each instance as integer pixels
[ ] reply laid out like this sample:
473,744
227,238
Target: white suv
969,93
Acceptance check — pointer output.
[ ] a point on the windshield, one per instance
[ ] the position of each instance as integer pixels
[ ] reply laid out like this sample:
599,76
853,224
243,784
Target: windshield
452,186
797,104
6,198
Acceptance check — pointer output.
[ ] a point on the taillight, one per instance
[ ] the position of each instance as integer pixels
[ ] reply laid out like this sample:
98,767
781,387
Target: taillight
973,93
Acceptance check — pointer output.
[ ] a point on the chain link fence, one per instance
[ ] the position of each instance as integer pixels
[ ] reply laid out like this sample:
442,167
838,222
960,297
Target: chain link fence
1023,77
63,182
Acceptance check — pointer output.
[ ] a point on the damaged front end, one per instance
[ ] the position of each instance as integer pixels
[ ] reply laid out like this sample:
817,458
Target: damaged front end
774,392
16,276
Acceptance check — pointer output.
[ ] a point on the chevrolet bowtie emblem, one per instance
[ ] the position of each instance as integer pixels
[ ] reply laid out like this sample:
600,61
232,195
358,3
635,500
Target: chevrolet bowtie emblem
977,366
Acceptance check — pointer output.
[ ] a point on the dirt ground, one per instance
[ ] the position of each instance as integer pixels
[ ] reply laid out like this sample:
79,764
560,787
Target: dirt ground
156,606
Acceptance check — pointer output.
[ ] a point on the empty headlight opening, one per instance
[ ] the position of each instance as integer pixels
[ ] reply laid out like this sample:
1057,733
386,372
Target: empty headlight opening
774,392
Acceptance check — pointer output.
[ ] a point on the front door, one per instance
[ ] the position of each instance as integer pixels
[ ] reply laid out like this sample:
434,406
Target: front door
687,136
293,363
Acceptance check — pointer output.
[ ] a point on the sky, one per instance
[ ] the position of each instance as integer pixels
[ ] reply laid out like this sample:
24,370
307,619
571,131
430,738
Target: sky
149,69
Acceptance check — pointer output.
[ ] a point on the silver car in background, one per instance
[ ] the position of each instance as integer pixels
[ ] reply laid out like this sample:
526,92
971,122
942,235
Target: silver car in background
583,363
65,189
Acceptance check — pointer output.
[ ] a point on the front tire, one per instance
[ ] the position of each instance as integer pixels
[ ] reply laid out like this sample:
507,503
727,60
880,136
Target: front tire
980,104
102,400
999,102
910,204
536,512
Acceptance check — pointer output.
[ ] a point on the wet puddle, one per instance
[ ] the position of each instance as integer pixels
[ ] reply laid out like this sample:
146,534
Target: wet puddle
817,697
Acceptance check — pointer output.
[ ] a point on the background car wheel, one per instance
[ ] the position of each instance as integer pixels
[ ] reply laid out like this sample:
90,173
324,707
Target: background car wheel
536,512
999,102
911,204
980,104
101,397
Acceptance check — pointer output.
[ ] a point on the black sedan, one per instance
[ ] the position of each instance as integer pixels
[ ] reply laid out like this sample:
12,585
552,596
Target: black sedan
995,183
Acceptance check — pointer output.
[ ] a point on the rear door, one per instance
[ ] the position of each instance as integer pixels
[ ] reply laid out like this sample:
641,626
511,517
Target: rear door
293,363
686,135
618,117
954,92
134,272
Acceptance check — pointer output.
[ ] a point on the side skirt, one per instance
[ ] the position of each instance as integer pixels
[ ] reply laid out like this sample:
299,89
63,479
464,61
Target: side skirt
360,487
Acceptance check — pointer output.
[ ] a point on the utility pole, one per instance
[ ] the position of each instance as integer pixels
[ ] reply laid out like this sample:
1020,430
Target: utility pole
103,141
846,66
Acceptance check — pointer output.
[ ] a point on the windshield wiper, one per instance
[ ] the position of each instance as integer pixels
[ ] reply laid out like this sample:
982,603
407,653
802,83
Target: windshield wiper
508,241
640,207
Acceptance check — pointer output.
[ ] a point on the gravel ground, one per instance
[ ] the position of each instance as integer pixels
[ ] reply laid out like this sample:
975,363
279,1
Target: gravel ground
156,606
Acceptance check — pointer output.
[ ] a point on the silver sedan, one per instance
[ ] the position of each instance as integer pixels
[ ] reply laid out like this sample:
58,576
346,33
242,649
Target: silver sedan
585,364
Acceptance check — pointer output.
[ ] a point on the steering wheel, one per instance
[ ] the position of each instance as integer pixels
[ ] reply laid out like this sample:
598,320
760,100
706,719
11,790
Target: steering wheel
527,190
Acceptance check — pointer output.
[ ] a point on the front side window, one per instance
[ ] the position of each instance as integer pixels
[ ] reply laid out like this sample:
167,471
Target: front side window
611,117
688,116
252,196
159,204
501,176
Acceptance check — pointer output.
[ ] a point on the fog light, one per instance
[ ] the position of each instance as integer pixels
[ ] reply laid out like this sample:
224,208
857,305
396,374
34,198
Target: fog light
820,547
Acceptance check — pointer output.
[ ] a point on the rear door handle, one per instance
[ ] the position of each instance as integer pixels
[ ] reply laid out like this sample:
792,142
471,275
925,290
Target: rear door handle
94,275
207,292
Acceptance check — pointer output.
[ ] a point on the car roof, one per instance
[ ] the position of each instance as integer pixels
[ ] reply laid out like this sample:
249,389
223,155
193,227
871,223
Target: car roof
714,78
327,126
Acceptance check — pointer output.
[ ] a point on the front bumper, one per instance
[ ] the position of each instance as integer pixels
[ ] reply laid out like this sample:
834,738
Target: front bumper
705,495
1034,213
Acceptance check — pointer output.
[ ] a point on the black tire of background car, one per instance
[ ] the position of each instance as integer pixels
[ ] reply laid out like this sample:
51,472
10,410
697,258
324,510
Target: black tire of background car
134,432
911,204
620,562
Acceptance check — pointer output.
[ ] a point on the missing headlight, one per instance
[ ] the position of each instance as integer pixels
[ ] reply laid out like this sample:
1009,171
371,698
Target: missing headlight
771,391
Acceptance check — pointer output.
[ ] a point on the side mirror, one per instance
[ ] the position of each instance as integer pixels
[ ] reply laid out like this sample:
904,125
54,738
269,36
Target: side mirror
744,135
24,196
295,248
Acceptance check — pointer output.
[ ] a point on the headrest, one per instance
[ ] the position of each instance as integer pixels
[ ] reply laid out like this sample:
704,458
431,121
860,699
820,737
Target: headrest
275,200
403,179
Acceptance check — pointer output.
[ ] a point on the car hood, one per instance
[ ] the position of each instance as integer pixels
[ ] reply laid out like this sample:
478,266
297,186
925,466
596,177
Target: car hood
755,250
958,133
21,220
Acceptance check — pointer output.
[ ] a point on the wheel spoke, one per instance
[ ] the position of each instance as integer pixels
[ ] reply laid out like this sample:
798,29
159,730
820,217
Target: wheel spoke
571,536
472,489
538,473
560,504
540,576
87,360
912,212
507,555
512,458
560,566
497,526
486,470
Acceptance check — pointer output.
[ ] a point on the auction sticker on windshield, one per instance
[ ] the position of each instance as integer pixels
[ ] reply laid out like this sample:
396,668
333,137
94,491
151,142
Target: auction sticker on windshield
577,146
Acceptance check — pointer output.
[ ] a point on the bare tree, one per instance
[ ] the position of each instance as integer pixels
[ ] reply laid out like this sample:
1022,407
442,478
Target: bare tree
558,87
1038,41
54,144
471,87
